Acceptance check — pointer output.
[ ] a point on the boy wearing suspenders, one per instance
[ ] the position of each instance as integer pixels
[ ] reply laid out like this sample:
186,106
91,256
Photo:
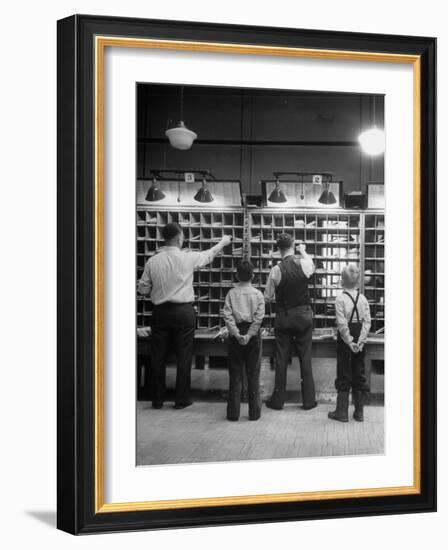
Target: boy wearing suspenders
353,322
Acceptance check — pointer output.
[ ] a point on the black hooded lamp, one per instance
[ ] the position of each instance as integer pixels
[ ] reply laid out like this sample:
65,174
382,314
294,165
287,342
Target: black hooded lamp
327,196
204,194
277,194
154,193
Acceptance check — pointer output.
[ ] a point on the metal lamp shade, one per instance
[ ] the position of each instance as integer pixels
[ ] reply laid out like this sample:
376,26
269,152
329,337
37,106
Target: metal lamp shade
204,195
277,195
327,197
154,194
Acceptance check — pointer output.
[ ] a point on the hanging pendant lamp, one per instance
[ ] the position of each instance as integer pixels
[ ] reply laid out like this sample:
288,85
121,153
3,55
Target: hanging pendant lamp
204,194
327,196
154,193
372,140
277,194
179,135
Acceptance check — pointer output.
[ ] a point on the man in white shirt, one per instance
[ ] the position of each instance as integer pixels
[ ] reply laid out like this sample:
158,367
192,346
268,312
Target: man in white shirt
288,286
168,279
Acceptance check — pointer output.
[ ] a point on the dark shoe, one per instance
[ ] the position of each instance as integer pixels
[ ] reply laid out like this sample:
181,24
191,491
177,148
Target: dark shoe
309,407
254,416
183,405
232,418
271,405
341,412
157,404
358,401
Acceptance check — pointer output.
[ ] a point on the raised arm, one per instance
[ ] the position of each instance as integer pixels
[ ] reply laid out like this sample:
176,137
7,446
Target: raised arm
305,260
207,256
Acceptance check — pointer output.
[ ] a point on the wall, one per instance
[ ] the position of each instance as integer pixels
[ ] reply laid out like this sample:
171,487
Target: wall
28,276
248,134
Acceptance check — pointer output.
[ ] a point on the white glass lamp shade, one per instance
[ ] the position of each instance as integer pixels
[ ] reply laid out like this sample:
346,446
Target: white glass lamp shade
181,137
372,141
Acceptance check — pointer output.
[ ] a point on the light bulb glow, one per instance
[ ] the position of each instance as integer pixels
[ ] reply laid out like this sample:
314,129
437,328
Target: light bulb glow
372,141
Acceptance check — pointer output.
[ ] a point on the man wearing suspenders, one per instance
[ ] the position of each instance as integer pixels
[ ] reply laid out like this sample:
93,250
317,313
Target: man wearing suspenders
288,286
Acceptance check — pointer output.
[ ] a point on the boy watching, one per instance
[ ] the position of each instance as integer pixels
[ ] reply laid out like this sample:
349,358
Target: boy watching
243,314
353,322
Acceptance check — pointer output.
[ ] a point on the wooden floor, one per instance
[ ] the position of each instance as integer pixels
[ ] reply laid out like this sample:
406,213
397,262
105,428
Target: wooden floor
201,433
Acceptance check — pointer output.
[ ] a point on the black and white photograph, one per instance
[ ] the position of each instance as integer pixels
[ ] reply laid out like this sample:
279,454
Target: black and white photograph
260,274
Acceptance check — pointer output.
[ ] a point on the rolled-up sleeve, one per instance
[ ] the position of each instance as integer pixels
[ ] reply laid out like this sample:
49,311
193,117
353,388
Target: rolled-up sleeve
258,316
341,320
273,281
307,266
229,319
145,283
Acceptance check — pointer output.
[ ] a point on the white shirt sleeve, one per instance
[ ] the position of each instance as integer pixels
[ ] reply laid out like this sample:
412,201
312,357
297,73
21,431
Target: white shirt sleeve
145,283
200,259
366,321
341,319
307,266
275,276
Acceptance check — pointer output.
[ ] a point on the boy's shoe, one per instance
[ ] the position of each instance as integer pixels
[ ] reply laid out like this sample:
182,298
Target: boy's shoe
309,407
341,412
183,404
272,405
358,401
157,404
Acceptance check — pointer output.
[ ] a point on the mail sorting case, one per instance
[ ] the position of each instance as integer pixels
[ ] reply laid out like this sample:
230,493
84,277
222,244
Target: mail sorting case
202,230
333,239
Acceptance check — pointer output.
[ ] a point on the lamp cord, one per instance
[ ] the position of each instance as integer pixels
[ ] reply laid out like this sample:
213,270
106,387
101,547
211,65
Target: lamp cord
182,103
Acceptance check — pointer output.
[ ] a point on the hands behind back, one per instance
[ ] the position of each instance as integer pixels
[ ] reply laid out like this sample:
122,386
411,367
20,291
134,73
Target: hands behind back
354,347
243,339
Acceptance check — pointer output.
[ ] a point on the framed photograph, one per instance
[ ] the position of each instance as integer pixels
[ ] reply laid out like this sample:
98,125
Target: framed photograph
222,312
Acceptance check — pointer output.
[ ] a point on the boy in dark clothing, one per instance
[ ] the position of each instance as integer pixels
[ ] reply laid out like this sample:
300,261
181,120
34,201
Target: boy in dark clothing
353,321
243,314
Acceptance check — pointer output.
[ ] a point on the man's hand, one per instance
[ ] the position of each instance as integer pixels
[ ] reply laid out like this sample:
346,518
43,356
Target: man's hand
226,240
360,346
301,248
143,331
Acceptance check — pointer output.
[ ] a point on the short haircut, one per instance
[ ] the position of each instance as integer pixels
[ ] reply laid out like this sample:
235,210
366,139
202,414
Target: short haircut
171,231
285,241
350,275
244,270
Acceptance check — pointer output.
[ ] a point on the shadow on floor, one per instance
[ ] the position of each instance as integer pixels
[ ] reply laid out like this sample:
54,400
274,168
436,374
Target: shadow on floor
48,517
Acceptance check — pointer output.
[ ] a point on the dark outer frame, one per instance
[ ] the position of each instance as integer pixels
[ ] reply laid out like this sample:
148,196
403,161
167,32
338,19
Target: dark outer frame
76,262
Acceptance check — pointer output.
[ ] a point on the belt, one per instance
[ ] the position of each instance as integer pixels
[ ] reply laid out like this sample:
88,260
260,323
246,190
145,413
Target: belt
177,304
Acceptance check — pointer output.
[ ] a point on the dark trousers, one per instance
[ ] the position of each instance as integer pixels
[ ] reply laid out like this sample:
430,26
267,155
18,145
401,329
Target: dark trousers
246,358
173,328
293,327
350,368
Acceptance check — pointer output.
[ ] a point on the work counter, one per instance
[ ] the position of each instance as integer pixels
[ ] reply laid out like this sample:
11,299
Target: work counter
209,344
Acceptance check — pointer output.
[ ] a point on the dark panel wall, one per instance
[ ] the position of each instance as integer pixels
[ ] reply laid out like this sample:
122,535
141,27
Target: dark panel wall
247,134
